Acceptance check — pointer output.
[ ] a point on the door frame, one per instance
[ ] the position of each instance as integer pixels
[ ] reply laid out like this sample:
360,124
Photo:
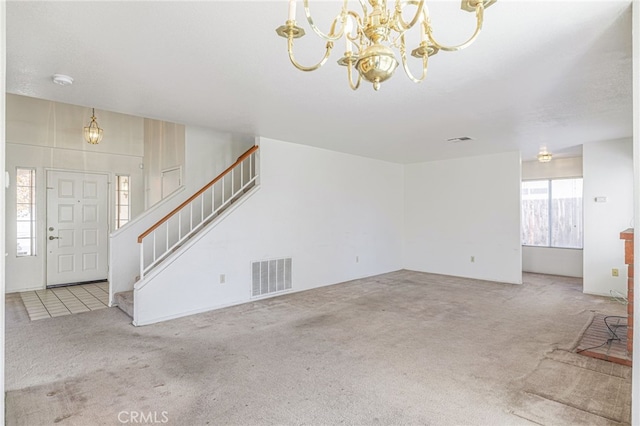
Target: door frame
43,228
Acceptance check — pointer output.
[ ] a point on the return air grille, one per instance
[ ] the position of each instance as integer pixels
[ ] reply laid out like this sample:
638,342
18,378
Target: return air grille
270,276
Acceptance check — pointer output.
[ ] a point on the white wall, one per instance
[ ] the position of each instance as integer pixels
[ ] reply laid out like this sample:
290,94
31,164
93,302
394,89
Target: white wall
207,153
321,208
553,261
556,168
608,172
455,209
48,135
546,260
164,148
39,122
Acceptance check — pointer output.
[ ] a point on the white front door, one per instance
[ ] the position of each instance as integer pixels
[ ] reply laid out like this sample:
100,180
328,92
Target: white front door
77,227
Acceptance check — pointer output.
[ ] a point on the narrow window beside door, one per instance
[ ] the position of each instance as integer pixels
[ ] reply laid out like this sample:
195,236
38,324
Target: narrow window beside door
122,200
26,212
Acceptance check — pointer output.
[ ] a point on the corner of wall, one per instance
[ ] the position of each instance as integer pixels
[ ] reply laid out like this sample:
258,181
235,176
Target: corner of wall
462,217
608,174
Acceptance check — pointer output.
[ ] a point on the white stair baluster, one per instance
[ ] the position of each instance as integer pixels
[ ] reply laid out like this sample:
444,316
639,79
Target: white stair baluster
158,254
233,188
142,259
223,188
153,258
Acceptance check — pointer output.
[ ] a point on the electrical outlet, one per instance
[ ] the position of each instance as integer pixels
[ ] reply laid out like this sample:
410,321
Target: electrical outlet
223,278
473,259
614,272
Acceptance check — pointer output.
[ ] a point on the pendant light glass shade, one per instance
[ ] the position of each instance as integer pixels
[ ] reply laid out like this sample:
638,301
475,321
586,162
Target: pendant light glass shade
93,132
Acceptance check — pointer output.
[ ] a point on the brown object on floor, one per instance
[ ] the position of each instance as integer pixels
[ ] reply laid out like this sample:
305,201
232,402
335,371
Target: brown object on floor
606,338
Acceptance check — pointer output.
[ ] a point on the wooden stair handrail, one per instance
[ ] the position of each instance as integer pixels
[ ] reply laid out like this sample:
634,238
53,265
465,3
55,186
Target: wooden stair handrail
197,194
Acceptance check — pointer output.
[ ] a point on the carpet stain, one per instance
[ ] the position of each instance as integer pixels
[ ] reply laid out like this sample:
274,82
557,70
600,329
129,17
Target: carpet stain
61,418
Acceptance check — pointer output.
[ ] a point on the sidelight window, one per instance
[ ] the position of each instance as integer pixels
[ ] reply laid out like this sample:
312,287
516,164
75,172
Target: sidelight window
122,200
26,212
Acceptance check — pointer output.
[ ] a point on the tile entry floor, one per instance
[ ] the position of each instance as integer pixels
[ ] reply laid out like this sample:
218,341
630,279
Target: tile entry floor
69,300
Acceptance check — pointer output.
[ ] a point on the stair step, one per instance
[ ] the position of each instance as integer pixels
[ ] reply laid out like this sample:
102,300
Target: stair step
125,301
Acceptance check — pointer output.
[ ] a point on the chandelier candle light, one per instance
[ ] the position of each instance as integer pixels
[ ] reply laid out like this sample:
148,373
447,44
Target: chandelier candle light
370,37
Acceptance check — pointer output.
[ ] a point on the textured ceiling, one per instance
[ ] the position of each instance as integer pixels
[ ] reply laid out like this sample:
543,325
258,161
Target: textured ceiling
542,73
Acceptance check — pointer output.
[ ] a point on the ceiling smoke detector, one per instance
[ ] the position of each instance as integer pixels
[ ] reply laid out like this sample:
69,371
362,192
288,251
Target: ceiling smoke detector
460,139
62,80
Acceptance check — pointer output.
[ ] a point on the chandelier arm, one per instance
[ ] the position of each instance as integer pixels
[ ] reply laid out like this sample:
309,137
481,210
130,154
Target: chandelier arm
402,24
311,68
331,36
405,65
479,19
396,42
350,76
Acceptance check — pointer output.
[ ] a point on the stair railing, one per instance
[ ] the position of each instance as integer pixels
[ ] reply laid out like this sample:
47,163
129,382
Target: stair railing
159,241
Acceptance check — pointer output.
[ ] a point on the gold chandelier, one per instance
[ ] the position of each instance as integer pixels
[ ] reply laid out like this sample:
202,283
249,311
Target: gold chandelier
93,132
369,42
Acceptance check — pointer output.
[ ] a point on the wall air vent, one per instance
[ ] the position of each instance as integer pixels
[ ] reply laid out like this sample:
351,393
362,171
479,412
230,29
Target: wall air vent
460,139
270,276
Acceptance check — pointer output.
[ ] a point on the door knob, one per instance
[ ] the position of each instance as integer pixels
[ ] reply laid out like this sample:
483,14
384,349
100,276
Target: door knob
51,237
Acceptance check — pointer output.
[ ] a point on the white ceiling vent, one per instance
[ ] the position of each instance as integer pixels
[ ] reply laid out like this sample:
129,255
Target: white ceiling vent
460,139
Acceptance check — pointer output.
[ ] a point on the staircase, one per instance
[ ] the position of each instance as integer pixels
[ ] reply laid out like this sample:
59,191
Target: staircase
169,236
125,302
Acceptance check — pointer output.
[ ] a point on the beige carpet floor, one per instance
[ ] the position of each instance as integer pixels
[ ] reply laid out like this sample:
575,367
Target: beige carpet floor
399,348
